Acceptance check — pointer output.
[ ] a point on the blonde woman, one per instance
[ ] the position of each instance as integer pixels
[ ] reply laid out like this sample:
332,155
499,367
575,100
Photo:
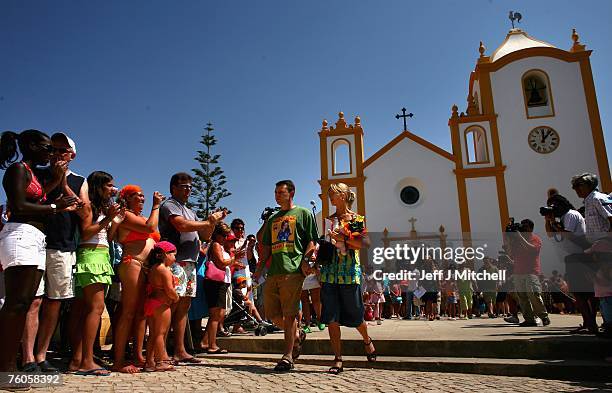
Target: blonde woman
341,293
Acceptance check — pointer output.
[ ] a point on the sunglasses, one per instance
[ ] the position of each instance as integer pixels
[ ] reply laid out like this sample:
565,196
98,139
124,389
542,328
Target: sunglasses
45,147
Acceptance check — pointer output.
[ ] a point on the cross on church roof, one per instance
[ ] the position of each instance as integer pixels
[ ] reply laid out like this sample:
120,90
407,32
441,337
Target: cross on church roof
404,116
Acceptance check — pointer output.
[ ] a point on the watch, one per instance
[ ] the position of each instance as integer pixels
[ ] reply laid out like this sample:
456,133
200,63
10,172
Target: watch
54,207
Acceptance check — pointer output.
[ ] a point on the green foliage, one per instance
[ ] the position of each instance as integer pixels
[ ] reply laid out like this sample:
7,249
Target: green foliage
208,180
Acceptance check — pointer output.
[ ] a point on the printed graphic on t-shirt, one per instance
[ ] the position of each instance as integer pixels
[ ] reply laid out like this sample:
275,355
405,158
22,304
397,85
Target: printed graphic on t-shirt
283,234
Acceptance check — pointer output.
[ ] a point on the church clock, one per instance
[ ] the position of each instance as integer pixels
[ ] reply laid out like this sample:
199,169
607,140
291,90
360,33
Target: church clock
543,140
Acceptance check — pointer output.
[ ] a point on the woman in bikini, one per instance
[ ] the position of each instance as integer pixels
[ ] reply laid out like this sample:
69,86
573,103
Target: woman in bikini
22,243
160,295
137,235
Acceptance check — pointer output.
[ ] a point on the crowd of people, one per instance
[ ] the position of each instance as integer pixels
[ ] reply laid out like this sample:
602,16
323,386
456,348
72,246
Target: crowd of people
81,241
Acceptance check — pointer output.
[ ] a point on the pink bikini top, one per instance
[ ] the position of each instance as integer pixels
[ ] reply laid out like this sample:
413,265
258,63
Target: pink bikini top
34,191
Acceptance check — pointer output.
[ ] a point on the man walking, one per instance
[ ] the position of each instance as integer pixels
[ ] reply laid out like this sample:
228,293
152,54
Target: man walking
289,237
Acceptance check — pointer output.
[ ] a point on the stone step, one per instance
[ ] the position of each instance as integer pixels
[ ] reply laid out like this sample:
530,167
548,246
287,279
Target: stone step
575,370
562,347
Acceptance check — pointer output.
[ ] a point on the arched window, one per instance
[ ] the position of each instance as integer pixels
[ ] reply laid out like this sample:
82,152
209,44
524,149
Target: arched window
341,157
476,146
537,94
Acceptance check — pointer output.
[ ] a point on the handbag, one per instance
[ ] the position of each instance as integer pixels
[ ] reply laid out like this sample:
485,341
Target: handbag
213,272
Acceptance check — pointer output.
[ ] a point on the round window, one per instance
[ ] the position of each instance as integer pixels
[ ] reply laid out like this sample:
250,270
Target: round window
409,195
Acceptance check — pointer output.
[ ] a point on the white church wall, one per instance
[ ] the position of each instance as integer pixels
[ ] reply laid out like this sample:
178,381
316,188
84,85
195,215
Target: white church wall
483,205
409,163
529,174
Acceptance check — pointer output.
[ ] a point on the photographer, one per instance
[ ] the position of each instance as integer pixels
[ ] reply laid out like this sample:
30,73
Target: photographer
581,267
524,248
569,231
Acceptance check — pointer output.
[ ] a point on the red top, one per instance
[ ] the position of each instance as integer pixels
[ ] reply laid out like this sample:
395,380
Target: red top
34,191
133,236
527,261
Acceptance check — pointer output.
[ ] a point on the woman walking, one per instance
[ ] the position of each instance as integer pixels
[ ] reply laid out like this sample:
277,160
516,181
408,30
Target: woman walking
22,242
341,294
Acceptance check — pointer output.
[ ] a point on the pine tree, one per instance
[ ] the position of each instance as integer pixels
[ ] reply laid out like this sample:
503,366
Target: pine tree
209,180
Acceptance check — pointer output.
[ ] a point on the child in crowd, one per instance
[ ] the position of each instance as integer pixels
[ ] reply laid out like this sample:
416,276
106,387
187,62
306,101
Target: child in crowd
451,299
375,296
396,300
160,295
465,295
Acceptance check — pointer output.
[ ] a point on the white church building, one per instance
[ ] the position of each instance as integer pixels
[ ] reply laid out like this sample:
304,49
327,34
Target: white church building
530,124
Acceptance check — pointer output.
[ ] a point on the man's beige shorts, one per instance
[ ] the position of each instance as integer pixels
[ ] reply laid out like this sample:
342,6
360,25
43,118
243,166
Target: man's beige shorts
282,295
59,280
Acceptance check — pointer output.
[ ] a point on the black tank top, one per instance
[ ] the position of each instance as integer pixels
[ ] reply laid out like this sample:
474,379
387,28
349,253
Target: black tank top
62,228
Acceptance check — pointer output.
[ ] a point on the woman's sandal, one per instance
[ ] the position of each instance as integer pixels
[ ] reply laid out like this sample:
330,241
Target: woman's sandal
335,370
370,356
285,364
163,366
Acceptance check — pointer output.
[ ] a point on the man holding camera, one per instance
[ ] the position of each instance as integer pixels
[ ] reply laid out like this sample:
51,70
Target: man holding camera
581,267
524,248
179,225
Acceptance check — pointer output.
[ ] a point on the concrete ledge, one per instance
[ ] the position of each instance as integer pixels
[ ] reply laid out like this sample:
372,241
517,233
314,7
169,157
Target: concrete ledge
549,369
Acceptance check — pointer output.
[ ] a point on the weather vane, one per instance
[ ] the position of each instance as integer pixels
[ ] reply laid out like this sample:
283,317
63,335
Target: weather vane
515,16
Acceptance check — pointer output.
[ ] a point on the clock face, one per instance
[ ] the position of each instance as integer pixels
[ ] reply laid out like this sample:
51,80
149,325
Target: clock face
543,140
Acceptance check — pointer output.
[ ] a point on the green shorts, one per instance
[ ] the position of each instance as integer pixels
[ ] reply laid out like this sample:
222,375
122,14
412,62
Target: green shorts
93,267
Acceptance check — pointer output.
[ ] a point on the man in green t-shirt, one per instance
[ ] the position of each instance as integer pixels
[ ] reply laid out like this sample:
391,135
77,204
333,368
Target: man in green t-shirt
289,236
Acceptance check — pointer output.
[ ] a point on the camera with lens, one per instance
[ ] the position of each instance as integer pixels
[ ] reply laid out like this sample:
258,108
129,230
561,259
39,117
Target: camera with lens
267,212
513,226
547,211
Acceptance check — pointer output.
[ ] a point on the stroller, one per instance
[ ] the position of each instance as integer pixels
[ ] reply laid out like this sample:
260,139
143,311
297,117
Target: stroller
240,314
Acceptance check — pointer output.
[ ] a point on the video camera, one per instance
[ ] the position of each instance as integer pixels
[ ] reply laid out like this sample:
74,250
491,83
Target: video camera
267,212
513,226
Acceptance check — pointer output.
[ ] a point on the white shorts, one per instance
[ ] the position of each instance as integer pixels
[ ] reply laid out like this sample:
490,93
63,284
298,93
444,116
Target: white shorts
22,245
311,282
59,280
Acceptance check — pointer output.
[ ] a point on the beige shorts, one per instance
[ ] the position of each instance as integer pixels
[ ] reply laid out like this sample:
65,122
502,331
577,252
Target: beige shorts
282,295
59,280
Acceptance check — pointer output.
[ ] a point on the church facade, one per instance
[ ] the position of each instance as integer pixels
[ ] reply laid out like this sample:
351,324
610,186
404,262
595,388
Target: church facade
531,122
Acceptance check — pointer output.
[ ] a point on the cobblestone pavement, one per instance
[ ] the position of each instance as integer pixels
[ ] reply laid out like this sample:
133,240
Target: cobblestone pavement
226,375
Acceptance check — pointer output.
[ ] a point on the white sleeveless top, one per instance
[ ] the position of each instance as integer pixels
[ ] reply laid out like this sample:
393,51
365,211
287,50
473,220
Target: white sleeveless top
228,271
99,239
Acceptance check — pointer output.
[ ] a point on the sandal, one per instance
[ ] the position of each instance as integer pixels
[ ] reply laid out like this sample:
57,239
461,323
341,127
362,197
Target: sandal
335,370
285,364
370,356
297,346
218,351
159,366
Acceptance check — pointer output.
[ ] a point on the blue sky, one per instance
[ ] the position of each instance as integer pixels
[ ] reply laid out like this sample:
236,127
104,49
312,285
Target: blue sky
135,82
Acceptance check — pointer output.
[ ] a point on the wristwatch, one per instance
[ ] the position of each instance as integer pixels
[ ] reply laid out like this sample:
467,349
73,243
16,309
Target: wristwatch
54,207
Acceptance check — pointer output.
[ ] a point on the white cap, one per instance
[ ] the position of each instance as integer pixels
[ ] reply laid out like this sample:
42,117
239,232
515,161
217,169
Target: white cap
65,138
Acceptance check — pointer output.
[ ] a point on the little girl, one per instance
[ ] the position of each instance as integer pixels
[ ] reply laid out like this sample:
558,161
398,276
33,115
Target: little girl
160,295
